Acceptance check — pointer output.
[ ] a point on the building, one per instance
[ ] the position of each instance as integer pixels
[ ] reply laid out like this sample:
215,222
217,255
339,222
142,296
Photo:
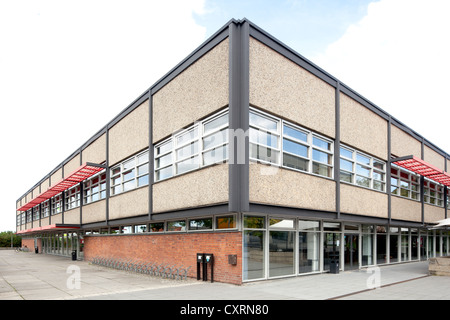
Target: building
247,151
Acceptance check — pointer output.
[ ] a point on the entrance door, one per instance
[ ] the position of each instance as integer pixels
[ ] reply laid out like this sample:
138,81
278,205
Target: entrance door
351,251
331,248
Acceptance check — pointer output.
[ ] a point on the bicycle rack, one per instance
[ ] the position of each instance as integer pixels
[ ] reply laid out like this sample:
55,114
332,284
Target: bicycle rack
163,270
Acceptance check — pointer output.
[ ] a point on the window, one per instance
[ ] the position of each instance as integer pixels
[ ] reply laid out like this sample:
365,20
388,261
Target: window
361,169
95,188
130,174
36,213
264,138
140,228
176,225
72,197
405,183
57,204
202,144
200,224
29,215
226,222
157,227
433,193
276,141
45,208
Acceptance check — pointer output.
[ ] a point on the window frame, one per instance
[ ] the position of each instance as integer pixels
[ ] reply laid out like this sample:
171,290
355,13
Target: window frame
57,204
198,155
88,186
123,170
309,144
409,179
72,197
355,162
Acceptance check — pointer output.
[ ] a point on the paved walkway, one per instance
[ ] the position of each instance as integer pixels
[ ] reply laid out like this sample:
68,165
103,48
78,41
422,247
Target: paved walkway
28,276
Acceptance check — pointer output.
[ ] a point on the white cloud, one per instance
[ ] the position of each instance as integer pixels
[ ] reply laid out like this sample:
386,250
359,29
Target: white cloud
68,67
397,57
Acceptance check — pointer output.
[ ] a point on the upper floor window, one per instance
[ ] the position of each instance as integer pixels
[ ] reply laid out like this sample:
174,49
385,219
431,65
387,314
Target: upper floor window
72,199
199,145
361,169
45,208
36,213
433,193
279,142
94,188
130,174
405,183
57,204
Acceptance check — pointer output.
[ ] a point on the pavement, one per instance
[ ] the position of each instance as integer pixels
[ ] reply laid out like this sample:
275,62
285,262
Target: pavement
30,276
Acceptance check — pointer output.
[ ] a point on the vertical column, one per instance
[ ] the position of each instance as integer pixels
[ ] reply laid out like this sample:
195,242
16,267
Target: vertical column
108,180
337,149
151,156
422,188
239,39
445,190
388,171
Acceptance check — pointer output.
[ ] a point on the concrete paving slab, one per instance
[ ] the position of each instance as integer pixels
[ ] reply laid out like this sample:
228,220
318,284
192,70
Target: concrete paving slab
33,276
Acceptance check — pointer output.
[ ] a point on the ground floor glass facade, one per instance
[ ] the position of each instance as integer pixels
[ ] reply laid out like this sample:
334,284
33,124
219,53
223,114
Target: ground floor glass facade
277,247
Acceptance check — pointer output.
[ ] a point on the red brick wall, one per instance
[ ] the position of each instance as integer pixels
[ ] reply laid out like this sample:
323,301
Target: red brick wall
178,249
29,242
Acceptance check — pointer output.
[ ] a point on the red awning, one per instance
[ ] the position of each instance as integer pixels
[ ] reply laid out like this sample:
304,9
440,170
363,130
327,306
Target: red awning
423,168
49,228
82,173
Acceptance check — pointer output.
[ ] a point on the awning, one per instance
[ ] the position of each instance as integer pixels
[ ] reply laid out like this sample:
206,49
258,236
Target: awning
423,168
51,227
82,173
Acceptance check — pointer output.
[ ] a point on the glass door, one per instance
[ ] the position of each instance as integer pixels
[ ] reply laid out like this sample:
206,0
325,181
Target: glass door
331,248
281,247
351,251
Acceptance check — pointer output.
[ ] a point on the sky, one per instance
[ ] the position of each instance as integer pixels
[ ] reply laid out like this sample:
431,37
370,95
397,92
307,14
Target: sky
68,67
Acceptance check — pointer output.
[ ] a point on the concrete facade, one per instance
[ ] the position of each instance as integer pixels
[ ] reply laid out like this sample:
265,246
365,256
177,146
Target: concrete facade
163,165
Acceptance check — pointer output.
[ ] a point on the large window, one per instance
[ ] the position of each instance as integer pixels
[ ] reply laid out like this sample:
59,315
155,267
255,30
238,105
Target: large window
45,208
57,204
200,145
72,199
95,188
361,169
130,174
405,183
254,248
433,193
279,142
36,213
308,246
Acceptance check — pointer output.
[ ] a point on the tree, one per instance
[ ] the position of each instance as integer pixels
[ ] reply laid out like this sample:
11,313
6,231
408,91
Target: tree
5,239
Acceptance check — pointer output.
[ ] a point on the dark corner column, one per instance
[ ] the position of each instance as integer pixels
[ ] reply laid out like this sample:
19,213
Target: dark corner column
239,39
81,190
445,190
388,170
337,149
108,182
422,184
151,156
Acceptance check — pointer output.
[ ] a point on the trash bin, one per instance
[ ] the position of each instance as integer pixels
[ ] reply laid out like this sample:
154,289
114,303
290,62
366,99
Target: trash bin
36,250
74,255
334,266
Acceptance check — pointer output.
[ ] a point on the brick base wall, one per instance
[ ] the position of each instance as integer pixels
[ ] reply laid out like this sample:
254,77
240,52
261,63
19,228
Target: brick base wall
29,243
174,249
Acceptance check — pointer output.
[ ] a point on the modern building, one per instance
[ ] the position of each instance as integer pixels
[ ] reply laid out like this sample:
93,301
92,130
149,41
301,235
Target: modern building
248,151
